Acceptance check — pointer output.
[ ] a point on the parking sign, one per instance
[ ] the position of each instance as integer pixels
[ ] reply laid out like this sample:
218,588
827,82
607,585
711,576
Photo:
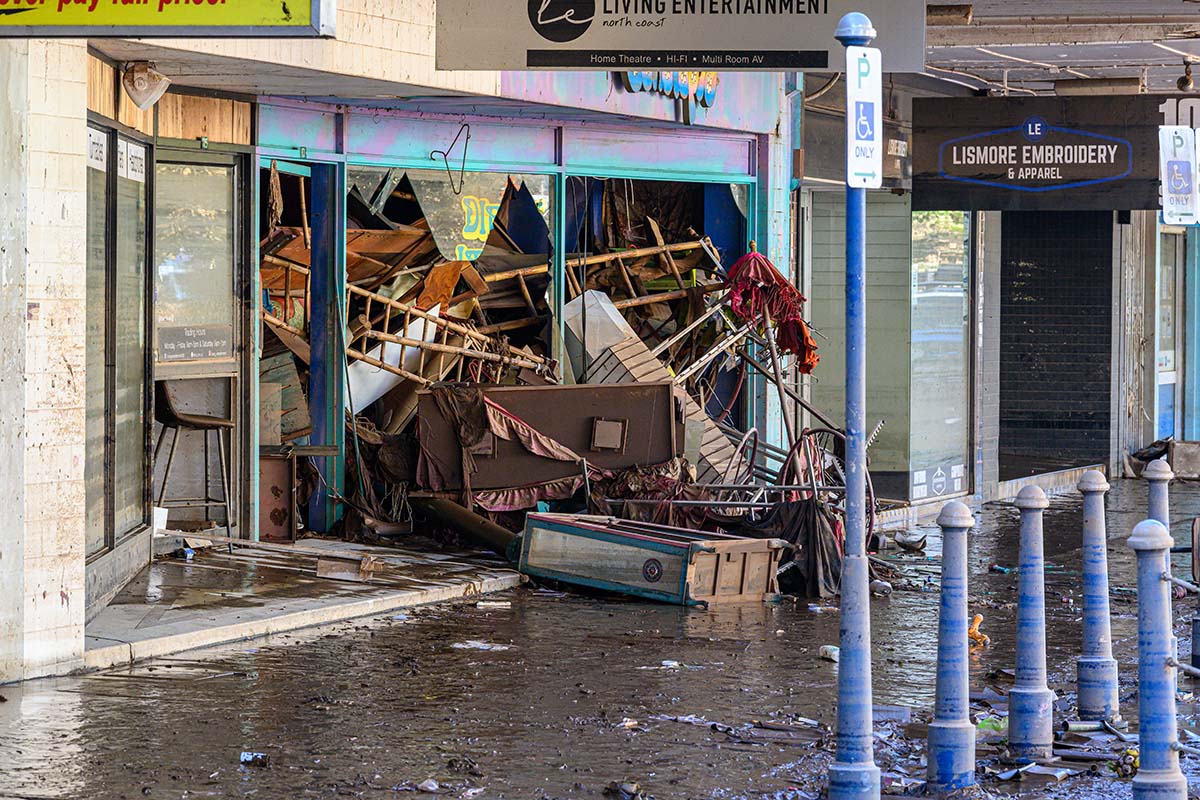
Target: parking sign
864,118
1177,174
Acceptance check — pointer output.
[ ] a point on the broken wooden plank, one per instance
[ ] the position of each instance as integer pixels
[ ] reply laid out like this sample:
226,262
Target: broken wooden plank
439,284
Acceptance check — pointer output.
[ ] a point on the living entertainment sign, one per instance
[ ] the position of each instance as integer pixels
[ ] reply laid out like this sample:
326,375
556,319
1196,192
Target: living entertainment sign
1098,153
619,35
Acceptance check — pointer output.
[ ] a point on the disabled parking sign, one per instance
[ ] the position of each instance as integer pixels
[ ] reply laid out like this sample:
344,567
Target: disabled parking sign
864,118
1177,174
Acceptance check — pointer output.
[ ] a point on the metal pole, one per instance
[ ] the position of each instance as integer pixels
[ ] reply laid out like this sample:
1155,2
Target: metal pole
1030,701
853,773
1096,669
952,734
1159,776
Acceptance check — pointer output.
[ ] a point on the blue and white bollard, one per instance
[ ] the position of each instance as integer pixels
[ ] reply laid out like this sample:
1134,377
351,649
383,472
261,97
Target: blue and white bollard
1096,669
952,734
853,774
1158,474
1030,701
1159,776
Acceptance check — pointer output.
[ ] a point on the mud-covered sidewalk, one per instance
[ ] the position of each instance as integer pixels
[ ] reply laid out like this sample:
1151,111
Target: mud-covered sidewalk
535,694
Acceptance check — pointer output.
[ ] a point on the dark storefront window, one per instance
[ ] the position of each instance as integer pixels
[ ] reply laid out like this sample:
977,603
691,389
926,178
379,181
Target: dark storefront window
116,355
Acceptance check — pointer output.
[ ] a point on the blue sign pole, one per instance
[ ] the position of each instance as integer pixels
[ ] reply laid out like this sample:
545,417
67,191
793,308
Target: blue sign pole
853,773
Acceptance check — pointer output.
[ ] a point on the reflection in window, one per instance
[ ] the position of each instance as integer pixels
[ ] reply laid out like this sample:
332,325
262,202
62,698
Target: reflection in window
194,251
129,376
940,363
97,306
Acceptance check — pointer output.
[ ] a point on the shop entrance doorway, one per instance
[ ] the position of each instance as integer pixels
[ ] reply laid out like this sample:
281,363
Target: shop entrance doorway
1055,341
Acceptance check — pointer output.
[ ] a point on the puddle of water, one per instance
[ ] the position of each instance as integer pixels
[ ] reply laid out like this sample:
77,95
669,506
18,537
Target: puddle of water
576,701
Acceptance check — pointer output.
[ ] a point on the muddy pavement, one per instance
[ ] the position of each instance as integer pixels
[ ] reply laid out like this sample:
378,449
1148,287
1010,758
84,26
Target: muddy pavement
537,694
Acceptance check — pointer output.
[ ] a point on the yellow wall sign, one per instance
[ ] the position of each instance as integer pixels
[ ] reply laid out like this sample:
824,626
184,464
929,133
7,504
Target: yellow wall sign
143,18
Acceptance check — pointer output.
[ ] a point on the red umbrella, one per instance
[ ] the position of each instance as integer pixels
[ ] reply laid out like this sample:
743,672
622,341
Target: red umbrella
756,288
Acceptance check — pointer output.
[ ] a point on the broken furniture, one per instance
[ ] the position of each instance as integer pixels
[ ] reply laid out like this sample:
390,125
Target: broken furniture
656,562
170,416
528,443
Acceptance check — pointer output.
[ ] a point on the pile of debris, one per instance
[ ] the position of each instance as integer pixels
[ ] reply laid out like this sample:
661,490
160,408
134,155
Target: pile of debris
463,389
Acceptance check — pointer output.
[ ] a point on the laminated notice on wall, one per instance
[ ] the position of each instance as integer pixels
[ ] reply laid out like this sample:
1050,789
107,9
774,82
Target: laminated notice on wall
97,150
131,161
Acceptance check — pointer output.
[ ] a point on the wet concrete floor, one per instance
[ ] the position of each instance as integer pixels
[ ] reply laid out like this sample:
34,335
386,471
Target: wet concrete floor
549,695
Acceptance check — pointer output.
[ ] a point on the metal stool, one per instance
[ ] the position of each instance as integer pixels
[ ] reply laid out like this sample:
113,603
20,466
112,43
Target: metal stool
167,414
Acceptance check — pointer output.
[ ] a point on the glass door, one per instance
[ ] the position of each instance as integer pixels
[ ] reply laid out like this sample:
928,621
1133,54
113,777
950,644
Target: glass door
1168,360
199,326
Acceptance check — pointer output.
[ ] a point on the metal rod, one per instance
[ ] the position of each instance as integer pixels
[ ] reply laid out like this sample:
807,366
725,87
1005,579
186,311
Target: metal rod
788,426
1186,669
1180,582
678,337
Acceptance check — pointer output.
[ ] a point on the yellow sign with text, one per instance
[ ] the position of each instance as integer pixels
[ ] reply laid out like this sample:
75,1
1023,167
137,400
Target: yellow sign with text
142,18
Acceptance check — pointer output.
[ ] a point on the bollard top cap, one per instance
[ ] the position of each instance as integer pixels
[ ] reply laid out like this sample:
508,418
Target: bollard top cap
1093,481
955,515
1158,470
855,29
1150,534
1032,497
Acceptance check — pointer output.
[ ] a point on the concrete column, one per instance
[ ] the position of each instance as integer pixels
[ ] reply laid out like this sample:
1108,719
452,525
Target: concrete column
1159,776
952,734
1096,668
42,315
1030,701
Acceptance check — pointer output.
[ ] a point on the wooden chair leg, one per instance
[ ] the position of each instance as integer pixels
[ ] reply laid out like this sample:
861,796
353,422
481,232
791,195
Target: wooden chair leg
162,492
230,523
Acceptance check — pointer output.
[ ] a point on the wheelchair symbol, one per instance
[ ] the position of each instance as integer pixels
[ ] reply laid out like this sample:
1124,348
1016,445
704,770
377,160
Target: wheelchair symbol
864,125
1179,177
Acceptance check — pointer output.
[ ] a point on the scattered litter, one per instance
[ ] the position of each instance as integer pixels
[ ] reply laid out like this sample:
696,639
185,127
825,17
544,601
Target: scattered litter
816,609
895,783
978,637
469,793
250,759
428,785
494,604
476,644
630,724
884,713
625,790
671,665
1001,570
991,723
881,588
830,652
1057,773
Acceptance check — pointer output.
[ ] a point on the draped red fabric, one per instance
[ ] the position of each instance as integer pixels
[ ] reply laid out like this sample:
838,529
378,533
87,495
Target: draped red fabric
756,288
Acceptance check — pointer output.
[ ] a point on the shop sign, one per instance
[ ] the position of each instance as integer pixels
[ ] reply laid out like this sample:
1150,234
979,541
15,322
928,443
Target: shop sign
938,481
1177,174
695,90
147,18
758,35
1083,153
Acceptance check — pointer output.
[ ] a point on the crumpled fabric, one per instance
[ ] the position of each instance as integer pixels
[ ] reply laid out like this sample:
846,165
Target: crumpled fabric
472,414
757,288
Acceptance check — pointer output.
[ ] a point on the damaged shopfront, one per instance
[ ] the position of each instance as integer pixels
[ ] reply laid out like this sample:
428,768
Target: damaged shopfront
430,249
